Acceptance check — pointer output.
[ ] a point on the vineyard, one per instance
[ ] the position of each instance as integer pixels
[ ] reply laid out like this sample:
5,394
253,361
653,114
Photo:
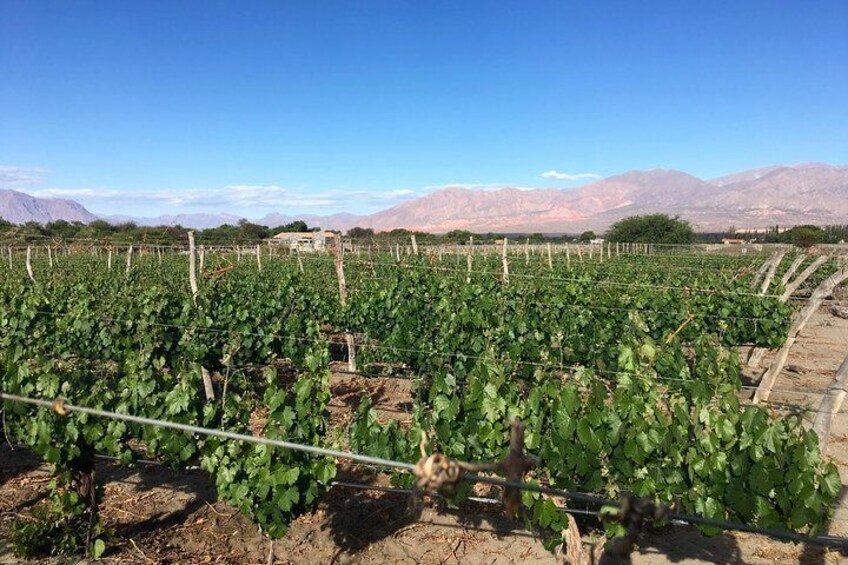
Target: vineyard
624,368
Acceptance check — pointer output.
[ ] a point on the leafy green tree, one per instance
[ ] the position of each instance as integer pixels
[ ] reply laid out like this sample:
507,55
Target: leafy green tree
587,236
360,233
805,236
652,228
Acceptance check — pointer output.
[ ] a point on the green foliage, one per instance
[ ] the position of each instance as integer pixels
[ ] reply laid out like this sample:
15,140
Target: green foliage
625,379
653,228
587,236
805,236
57,526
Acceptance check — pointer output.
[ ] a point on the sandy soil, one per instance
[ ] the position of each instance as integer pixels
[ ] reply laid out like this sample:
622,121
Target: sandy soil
159,516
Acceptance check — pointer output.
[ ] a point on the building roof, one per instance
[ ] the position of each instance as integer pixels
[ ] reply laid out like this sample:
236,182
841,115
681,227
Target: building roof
304,235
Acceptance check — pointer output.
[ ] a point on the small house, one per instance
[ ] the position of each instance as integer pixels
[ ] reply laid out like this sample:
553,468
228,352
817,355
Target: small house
306,241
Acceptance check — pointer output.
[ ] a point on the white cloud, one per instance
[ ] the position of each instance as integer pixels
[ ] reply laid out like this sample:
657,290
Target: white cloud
12,176
483,187
568,176
231,197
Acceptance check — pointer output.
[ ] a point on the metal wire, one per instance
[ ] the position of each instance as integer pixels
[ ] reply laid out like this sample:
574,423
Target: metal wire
827,541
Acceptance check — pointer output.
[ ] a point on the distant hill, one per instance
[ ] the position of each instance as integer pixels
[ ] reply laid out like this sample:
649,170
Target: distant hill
19,208
808,193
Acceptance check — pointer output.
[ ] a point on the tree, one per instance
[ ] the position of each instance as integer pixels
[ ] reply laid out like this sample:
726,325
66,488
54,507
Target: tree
805,236
653,228
298,226
587,236
360,233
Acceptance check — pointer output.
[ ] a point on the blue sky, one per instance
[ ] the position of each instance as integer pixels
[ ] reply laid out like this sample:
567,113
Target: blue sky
252,107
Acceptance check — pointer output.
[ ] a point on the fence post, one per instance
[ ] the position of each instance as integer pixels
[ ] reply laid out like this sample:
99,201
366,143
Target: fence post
109,259
299,262
550,258
49,256
822,291
129,258
29,263
351,352
505,262
192,271
414,245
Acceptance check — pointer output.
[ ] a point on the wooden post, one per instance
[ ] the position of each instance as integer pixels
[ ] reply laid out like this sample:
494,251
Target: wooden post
799,280
468,260
299,262
351,352
567,256
29,263
414,245
527,252
49,256
202,258
550,258
129,258
259,257
609,250
109,259
238,254
824,290
616,249
207,385
792,268
831,403
505,262
159,254
10,256
762,271
757,353
192,271
771,271
580,252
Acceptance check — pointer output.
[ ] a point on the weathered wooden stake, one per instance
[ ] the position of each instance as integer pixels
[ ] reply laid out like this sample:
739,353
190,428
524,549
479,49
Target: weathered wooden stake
351,352
831,404
259,256
109,259
192,270
49,257
550,258
299,262
202,258
29,263
792,268
771,271
505,262
824,290
129,258
414,245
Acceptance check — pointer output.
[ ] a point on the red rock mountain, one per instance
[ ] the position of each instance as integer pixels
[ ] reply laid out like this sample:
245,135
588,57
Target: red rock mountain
807,193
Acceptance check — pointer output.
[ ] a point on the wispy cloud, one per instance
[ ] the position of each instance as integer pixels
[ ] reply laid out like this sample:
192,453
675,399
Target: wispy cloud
484,187
12,176
239,197
568,176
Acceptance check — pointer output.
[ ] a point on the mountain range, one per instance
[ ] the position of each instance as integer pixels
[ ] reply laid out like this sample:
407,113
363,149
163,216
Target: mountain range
807,193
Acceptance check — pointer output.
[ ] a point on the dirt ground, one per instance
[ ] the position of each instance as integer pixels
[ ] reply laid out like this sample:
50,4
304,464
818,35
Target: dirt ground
159,516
